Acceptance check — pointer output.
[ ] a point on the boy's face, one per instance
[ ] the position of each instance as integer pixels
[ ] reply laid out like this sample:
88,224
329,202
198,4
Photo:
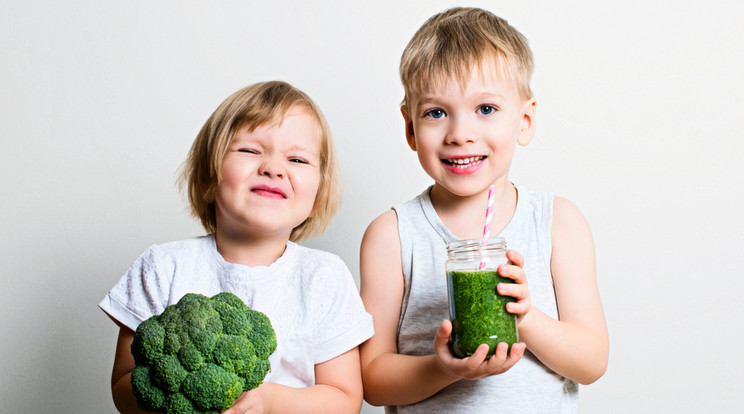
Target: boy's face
465,135
270,177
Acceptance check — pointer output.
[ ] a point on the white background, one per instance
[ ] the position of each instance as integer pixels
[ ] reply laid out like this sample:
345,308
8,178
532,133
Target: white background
640,120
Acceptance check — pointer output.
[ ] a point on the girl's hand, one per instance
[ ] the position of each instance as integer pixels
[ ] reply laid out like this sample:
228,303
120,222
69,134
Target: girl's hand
475,366
250,402
518,290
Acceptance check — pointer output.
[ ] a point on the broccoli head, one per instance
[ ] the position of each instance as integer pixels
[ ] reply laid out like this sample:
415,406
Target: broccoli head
199,355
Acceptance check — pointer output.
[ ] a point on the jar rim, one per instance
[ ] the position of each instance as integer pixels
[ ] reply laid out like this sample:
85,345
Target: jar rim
470,244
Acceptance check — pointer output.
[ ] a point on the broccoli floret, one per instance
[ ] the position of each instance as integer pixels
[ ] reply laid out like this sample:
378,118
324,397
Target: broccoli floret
200,354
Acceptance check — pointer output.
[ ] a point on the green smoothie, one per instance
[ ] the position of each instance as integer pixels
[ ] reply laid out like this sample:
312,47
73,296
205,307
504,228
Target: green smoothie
478,313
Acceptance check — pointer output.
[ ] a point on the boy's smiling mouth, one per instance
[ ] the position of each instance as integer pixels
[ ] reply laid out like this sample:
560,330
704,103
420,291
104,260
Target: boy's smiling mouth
464,162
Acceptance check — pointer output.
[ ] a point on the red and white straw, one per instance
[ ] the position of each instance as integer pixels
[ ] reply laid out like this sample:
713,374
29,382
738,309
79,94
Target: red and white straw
487,226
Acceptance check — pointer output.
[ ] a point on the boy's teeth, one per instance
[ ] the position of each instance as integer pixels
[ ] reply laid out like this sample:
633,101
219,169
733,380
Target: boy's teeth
464,161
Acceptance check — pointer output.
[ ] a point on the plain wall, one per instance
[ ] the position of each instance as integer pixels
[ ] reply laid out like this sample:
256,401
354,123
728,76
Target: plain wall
639,123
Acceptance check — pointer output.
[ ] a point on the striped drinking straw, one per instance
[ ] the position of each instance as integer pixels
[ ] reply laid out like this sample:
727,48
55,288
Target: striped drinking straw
487,226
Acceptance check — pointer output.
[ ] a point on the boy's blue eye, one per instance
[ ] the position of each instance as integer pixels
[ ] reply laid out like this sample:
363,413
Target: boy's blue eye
435,113
486,109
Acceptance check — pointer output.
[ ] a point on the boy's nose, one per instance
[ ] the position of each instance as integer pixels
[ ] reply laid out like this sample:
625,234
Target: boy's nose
459,133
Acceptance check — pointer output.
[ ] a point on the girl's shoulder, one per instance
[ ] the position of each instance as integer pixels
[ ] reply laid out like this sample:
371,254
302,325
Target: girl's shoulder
178,251
313,259
177,246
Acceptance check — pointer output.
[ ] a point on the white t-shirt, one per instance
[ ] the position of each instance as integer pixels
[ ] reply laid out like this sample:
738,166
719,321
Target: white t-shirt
308,295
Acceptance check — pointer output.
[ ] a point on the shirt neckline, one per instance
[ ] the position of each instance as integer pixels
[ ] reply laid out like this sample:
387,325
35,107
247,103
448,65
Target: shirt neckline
250,270
446,234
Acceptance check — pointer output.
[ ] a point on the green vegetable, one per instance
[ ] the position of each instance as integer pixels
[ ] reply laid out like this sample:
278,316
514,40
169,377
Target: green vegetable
480,315
200,354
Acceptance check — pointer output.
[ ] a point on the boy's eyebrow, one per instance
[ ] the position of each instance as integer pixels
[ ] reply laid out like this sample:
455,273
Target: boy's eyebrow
424,99
488,95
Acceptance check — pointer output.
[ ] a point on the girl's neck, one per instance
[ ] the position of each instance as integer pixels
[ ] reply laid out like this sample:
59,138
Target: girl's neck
465,216
250,250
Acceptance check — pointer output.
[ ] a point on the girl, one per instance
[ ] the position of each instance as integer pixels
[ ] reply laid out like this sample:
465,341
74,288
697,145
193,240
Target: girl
261,176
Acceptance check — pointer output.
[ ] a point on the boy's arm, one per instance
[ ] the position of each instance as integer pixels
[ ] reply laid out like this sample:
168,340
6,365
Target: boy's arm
391,378
575,346
337,389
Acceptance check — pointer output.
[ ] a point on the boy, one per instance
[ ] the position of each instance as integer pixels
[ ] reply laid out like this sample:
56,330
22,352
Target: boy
467,103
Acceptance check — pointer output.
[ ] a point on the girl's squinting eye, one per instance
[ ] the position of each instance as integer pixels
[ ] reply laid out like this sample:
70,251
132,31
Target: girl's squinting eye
298,160
248,150
435,113
486,109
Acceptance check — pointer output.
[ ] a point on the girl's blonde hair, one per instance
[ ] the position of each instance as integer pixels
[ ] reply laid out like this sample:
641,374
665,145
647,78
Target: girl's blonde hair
256,105
452,42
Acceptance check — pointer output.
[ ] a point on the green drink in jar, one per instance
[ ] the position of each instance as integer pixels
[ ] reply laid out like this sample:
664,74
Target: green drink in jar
478,313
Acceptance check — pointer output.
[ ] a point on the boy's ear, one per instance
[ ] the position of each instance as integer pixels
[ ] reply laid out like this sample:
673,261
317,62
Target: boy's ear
528,123
410,135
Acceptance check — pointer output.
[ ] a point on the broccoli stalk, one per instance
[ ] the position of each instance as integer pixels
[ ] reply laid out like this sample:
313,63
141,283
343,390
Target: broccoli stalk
200,354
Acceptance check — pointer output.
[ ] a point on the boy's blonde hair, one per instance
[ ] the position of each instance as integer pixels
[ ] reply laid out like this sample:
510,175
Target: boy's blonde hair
452,42
256,105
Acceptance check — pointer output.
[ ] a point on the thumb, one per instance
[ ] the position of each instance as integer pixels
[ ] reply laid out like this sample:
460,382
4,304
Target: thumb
443,334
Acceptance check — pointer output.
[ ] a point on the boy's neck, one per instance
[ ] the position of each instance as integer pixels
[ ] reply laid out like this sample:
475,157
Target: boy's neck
250,251
465,217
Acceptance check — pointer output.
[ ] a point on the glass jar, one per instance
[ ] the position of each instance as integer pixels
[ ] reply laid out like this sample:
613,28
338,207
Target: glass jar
478,313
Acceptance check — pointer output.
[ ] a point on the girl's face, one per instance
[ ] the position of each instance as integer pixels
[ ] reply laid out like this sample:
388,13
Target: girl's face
465,136
270,177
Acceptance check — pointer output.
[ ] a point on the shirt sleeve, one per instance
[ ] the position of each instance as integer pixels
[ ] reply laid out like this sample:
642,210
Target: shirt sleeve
343,322
139,294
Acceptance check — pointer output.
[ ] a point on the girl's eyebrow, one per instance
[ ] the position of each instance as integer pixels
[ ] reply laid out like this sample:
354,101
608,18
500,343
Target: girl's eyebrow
302,149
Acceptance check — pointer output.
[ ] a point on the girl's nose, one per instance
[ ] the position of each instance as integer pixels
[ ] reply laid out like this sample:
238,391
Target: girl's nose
271,168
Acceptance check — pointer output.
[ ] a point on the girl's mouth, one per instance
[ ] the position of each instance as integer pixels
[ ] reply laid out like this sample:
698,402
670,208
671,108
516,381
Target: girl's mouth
269,192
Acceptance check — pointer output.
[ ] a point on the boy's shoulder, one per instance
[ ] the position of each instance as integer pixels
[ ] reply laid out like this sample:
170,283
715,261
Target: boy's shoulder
567,216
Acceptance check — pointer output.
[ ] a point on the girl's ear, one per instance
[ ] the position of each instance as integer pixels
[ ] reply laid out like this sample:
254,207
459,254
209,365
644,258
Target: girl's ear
410,135
527,130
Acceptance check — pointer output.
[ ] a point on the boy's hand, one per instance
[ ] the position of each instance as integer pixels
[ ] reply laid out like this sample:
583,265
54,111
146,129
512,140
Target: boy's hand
474,366
518,290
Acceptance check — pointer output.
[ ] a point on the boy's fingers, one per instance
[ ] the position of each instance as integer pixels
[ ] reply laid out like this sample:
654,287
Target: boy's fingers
441,338
515,257
512,272
443,332
517,308
515,290
445,328
474,361
516,353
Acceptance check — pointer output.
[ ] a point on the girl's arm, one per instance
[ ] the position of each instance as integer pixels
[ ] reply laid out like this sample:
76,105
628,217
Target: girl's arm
391,378
337,389
121,375
576,345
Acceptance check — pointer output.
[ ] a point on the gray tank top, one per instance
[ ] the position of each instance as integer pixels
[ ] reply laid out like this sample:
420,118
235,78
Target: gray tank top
529,387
